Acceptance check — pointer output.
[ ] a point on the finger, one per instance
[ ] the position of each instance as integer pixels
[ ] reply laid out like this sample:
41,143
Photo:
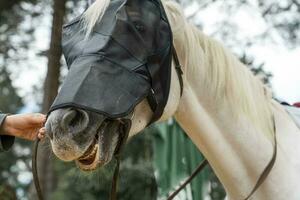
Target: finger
38,118
41,136
42,133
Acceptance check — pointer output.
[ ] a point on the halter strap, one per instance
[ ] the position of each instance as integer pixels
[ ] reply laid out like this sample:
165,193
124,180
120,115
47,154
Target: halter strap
151,97
268,168
178,69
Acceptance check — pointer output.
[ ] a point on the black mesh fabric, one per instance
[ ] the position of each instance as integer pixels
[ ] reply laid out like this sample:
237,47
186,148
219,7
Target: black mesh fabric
126,58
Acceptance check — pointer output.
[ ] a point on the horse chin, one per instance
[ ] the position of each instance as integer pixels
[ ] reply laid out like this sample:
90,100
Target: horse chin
102,149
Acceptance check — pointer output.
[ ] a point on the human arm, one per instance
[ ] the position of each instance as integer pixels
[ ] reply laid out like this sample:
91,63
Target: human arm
24,126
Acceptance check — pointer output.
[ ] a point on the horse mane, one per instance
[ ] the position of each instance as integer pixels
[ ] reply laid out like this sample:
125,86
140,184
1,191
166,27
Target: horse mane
224,76
94,14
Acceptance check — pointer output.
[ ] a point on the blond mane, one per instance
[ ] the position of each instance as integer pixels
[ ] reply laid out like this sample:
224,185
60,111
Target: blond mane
226,78
94,14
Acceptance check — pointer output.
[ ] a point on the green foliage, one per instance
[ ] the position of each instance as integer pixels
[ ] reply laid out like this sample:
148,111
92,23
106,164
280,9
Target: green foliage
10,102
12,14
217,191
285,17
7,193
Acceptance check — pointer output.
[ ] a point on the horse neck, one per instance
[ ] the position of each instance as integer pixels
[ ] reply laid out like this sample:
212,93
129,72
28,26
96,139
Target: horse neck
229,141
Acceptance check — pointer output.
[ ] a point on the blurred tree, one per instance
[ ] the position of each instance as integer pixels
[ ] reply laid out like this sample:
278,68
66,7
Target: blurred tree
7,192
45,162
257,70
12,14
10,102
283,16
278,21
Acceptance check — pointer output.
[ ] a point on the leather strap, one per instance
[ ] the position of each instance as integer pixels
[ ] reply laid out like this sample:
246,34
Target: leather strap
259,182
268,168
153,103
178,69
114,184
189,179
34,170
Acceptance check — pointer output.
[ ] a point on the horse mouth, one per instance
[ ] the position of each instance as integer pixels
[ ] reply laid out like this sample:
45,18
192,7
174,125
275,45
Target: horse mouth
89,156
103,147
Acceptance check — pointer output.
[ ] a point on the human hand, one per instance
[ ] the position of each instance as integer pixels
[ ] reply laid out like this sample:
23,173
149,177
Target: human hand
42,133
25,126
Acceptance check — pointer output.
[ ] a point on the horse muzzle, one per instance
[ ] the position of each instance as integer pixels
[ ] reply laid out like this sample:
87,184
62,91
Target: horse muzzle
88,138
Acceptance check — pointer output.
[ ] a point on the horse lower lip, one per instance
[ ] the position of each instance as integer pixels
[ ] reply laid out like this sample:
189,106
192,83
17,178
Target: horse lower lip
102,150
89,159
89,151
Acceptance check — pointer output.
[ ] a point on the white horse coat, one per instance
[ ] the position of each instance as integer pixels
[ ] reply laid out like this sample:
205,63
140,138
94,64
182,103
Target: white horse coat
227,112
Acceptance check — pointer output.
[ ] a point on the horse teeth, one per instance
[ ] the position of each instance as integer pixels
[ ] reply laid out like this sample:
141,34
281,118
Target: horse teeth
91,155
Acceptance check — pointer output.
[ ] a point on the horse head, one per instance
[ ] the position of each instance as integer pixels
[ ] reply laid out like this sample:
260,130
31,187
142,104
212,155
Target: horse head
119,55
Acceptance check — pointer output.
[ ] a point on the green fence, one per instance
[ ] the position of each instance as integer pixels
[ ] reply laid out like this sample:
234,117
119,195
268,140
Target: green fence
175,157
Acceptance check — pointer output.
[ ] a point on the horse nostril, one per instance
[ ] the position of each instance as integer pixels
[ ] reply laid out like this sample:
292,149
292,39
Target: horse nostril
75,119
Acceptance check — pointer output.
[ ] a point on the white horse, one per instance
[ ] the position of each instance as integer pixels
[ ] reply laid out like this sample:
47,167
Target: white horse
225,110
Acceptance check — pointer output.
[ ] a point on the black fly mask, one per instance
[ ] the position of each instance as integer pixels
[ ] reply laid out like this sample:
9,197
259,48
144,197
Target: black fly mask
126,58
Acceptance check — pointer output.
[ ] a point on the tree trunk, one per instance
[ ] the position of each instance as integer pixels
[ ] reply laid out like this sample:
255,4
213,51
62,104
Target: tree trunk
45,158
54,55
